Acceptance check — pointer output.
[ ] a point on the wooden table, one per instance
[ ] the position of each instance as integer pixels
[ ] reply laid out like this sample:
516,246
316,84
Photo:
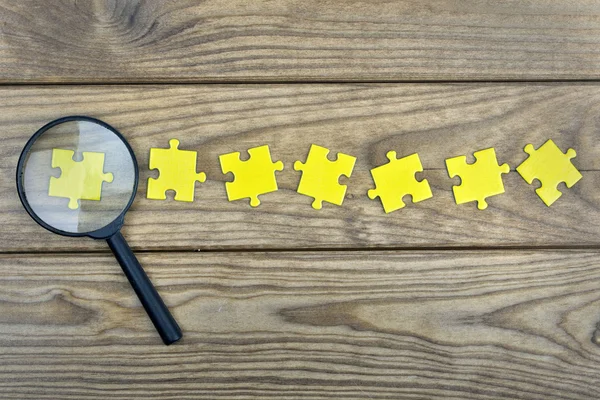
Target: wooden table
282,301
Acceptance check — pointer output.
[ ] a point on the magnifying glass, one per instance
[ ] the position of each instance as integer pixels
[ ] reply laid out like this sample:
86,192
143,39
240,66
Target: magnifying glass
77,176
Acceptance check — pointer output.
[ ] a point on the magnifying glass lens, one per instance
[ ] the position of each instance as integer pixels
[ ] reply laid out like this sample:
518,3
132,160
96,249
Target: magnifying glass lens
78,176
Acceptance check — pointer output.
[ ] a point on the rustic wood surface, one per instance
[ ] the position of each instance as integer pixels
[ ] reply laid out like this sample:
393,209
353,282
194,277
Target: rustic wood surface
435,301
312,325
293,40
437,121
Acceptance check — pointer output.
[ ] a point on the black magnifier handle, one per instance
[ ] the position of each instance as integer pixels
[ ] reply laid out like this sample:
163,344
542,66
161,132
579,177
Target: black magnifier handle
158,312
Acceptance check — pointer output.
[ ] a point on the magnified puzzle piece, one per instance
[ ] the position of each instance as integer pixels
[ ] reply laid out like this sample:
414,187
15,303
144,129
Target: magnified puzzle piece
479,180
177,171
252,177
320,177
396,179
79,180
550,166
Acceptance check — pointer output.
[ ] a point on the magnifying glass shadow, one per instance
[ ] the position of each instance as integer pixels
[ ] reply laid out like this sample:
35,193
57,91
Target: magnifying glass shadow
101,219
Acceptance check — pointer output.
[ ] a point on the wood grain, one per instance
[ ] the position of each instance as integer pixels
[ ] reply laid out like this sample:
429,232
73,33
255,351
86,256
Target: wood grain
291,40
309,325
437,121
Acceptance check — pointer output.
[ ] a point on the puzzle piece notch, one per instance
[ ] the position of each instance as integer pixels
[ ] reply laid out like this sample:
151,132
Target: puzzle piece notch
252,177
479,180
79,180
396,179
550,166
320,176
177,172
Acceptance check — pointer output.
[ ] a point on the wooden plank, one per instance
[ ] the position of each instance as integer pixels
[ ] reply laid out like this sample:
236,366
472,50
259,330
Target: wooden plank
382,325
208,41
437,121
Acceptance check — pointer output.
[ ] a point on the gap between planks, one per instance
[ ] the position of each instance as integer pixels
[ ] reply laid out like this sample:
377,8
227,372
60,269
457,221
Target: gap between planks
355,250
217,82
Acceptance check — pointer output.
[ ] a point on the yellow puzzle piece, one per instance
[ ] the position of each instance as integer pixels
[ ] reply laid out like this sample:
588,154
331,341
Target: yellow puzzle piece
320,177
479,180
550,166
79,180
396,179
177,171
253,177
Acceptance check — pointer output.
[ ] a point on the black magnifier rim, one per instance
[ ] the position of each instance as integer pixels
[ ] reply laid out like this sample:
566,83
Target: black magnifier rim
102,233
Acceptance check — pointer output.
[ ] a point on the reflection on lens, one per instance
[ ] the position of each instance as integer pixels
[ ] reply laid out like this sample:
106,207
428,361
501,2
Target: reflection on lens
78,176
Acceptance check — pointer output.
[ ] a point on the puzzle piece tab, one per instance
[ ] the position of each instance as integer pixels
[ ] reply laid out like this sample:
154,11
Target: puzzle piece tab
320,177
479,180
177,171
550,166
253,177
396,179
79,180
